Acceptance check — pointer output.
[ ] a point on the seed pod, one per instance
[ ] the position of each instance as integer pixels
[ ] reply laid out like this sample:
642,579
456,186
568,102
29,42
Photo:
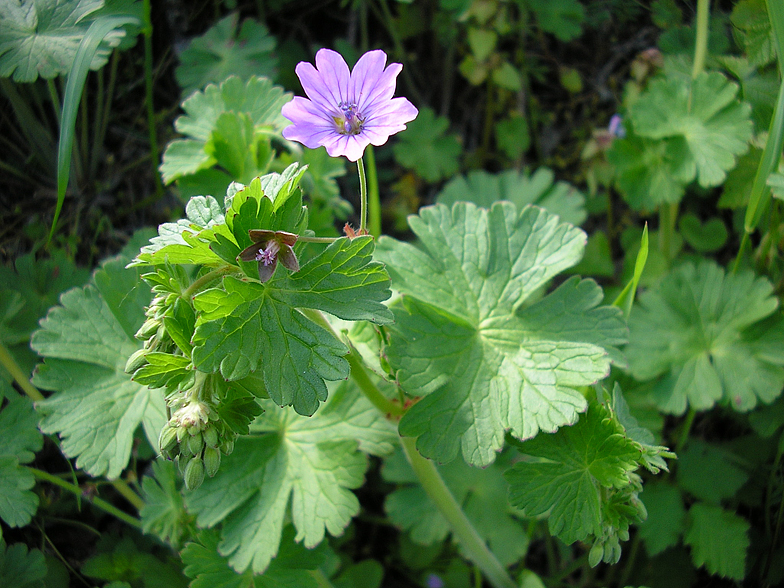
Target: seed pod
212,459
194,474
182,462
168,438
185,447
195,443
135,361
211,436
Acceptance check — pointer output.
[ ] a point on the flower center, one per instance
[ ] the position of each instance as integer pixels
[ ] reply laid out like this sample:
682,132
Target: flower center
350,122
267,256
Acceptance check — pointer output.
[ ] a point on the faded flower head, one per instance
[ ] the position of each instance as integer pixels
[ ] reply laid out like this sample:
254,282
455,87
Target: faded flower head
345,111
269,247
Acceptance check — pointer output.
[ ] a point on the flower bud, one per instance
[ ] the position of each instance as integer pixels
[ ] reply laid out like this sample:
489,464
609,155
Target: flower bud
135,361
194,474
148,329
168,438
596,554
227,446
195,443
212,459
210,436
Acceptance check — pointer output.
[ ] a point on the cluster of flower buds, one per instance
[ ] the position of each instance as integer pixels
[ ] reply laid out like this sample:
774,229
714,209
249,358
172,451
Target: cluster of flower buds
152,332
195,436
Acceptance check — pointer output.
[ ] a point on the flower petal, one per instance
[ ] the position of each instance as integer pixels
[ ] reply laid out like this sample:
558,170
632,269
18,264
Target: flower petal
288,259
324,96
383,90
365,78
334,73
266,271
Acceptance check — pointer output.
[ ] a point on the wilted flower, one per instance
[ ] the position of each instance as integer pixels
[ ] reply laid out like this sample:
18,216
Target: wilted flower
269,247
347,111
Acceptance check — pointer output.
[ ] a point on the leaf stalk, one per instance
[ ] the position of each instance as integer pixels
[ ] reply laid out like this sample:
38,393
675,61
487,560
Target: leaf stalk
433,484
9,363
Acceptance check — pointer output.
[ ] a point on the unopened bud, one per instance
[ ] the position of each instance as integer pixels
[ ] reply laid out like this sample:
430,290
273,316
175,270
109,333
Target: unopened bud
168,438
194,474
135,361
210,436
227,446
148,329
212,459
195,443
596,554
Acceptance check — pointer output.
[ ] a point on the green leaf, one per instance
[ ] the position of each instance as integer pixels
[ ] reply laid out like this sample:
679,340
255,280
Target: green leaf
703,237
708,472
257,98
463,340
163,513
20,568
562,18
310,464
512,136
163,369
179,242
36,284
719,540
247,326
704,332
752,26
40,37
427,149
705,113
293,566
572,473
85,343
225,50
480,492
366,574
19,440
651,172
540,188
666,517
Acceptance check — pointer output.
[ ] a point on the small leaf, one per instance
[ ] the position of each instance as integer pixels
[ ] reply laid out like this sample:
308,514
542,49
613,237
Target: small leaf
512,136
163,512
20,568
705,238
225,50
563,18
704,332
666,517
19,440
719,540
427,149
708,473
705,113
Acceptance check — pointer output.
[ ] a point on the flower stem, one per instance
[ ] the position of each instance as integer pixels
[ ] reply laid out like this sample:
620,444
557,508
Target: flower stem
148,85
9,363
77,491
701,43
363,196
204,280
374,199
439,493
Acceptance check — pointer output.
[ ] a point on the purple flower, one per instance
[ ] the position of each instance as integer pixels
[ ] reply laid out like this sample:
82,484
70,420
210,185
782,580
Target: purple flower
347,111
269,247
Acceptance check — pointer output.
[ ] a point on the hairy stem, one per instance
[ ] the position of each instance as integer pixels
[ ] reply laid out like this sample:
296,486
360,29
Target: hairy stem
701,43
439,493
363,196
374,198
9,363
77,491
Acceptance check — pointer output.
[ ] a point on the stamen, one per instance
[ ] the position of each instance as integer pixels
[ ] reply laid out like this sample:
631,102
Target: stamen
269,255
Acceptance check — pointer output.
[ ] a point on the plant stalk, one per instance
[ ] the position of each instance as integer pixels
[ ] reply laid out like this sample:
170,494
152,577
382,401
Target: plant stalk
439,493
374,198
77,491
127,492
9,363
363,197
701,43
